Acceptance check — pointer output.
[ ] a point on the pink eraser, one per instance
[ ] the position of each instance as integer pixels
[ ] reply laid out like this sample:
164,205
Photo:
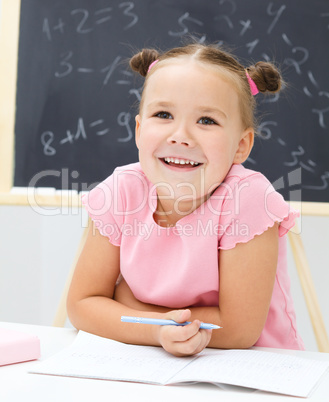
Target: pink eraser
16,347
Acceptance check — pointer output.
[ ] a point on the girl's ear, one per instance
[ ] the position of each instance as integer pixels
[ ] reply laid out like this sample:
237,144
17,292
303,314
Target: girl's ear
137,129
245,146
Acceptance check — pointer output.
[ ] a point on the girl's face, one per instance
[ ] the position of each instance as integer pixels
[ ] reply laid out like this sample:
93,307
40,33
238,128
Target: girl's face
189,131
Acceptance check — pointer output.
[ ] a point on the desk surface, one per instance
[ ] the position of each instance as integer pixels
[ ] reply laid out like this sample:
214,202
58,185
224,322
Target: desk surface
18,385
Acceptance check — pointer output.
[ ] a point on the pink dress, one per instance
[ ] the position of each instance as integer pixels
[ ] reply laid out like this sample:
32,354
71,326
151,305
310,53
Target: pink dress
177,266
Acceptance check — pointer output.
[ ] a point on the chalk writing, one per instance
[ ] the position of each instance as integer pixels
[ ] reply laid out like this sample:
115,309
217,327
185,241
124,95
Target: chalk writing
123,121
226,16
300,151
246,25
86,21
323,186
304,54
110,69
251,45
321,114
96,127
308,165
66,67
277,14
127,6
83,17
264,129
301,51
182,23
46,139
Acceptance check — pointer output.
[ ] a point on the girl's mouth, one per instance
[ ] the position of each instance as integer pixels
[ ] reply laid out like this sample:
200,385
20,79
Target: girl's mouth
180,163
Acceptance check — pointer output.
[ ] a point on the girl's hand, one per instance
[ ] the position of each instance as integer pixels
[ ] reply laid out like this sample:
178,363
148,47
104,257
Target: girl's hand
186,340
179,341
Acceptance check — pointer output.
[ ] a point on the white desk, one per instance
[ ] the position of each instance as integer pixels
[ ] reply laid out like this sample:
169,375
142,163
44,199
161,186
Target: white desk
18,385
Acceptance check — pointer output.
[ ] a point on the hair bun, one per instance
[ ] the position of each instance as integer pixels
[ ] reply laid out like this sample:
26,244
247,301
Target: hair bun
141,61
266,76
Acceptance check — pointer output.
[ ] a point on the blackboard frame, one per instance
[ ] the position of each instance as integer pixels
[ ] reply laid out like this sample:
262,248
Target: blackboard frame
9,39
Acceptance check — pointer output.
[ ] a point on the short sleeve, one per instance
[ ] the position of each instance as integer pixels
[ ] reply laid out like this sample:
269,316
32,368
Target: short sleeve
102,204
253,206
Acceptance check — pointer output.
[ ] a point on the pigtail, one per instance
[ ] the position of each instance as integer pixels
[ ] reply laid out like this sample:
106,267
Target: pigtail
266,77
141,61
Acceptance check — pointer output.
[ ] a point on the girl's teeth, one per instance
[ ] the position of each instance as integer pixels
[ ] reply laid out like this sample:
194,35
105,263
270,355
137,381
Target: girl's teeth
180,161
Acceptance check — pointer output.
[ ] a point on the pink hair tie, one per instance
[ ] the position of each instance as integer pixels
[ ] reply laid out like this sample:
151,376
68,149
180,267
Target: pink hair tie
253,86
152,64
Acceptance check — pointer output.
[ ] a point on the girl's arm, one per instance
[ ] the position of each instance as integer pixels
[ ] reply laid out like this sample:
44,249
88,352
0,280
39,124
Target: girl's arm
246,279
91,307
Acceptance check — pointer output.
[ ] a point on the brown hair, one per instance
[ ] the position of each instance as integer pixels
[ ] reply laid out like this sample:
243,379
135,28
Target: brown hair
265,75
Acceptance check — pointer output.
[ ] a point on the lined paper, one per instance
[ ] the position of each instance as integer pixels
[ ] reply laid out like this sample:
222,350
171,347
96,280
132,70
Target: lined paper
91,356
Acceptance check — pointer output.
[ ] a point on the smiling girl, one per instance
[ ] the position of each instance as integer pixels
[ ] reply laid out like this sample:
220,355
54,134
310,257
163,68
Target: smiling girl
190,233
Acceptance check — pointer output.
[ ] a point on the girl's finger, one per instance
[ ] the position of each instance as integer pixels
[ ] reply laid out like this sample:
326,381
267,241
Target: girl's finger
193,345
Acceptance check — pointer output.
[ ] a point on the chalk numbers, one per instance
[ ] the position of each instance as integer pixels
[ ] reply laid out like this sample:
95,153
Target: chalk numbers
82,131
84,21
46,139
65,65
123,121
264,129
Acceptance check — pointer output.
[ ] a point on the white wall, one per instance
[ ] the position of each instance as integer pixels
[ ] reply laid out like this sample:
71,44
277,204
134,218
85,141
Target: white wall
36,254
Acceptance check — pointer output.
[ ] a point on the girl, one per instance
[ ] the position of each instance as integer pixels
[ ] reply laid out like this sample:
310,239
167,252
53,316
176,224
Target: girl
192,234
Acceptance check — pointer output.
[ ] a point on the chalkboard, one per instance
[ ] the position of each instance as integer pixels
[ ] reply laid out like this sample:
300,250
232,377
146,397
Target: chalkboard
76,97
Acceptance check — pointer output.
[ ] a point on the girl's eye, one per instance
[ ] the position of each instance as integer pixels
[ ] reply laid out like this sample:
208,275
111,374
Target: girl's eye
206,121
164,115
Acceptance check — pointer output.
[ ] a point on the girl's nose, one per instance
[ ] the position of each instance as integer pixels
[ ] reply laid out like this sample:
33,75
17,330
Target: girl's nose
181,137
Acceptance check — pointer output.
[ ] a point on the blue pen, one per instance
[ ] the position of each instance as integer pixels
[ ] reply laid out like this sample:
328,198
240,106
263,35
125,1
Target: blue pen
155,321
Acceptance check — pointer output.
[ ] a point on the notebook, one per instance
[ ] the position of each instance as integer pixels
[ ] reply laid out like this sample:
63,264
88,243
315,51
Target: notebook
91,356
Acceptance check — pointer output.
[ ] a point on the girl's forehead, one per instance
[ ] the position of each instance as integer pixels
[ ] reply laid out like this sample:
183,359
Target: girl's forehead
188,76
187,66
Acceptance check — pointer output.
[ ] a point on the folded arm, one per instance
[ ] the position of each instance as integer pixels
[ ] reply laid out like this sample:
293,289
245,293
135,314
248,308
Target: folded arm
246,274
246,279
91,306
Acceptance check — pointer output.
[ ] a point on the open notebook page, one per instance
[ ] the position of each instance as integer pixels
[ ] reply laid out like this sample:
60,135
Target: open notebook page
91,356
266,371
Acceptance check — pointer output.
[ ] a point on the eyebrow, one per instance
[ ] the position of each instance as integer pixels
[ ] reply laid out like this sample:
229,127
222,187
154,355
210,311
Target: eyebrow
212,110
163,104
